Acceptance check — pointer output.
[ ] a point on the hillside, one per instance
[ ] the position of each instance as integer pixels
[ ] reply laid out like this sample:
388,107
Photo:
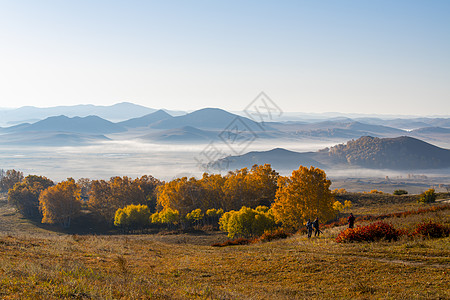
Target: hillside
146,120
209,119
279,158
404,153
85,125
401,153
185,134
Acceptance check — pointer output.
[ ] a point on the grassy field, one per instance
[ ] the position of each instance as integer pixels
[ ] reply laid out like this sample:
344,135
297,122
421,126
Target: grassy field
36,263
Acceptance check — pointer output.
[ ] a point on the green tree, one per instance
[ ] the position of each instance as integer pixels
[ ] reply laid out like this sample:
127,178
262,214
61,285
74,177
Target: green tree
25,195
304,195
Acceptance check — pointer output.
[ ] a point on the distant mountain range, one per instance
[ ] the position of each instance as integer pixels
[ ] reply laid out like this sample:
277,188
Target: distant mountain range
115,113
401,153
201,126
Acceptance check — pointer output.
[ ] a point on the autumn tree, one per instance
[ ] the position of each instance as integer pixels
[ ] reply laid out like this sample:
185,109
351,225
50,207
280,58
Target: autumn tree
167,216
250,188
106,197
304,195
25,194
132,217
61,203
213,215
85,187
247,222
428,196
181,194
195,216
9,178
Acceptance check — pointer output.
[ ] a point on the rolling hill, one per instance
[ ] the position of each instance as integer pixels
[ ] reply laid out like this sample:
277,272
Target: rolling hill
52,138
400,153
209,119
146,120
279,158
86,125
186,134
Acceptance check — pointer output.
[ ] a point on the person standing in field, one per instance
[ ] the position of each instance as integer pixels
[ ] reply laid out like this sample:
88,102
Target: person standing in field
316,227
351,220
309,228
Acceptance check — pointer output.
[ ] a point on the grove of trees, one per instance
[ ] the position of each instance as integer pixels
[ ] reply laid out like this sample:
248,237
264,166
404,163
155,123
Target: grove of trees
25,195
243,203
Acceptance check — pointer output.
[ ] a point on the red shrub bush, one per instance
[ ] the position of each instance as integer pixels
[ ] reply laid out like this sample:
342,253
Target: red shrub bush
372,232
431,229
274,235
239,241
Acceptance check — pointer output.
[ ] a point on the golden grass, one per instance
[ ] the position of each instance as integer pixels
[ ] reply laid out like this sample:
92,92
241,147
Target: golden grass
52,266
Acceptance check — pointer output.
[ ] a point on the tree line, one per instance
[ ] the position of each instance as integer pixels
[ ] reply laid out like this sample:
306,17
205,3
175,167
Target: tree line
243,202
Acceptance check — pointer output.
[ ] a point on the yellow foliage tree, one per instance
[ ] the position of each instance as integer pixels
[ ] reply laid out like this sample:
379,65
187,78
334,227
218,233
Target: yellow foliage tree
247,222
304,195
59,204
106,197
132,217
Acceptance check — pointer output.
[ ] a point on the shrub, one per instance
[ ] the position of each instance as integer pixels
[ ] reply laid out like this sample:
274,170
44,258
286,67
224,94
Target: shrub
372,232
400,192
427,196
376,192
431,229
276,234
239,241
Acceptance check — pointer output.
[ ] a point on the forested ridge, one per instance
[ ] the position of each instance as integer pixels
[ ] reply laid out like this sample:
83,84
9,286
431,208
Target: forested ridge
390,153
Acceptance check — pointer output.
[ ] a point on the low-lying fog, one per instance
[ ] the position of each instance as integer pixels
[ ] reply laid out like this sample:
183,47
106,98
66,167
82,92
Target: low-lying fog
134,159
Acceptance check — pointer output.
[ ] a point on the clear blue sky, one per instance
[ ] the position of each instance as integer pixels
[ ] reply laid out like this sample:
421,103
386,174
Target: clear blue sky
311,56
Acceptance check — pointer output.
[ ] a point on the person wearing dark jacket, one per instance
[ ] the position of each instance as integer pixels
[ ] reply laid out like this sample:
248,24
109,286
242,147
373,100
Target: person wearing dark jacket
351,220
316,227
309,228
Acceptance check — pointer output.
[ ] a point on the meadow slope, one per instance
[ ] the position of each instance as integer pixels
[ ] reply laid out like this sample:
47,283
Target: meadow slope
39,264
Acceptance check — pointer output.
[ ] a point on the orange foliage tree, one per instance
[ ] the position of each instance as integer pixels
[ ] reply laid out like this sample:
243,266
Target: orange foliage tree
239,188
106,197
304,195
25,194
61,203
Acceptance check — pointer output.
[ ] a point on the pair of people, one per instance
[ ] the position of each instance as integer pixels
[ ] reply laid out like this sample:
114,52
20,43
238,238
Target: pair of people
310,226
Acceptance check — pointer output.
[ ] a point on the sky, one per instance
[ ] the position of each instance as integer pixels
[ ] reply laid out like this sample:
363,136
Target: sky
374,57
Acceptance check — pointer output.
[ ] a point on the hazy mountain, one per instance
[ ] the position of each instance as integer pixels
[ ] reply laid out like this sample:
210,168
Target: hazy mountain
279,158
409,124
146,120
210,118
49,139
431,130
336,129
186,134
87,125
116,113
401,153
391,153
